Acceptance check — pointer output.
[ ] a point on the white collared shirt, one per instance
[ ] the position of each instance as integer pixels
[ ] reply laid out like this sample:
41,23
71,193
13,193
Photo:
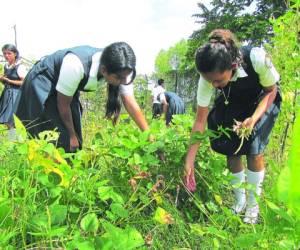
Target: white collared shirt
162,98
21,70
72,71
157,90
262,65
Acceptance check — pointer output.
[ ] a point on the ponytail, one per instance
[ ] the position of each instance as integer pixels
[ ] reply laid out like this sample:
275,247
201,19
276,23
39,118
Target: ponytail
116,57
219,54
113,103
228,39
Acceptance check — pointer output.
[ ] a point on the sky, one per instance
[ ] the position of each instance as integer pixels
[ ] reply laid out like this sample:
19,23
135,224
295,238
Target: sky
44,26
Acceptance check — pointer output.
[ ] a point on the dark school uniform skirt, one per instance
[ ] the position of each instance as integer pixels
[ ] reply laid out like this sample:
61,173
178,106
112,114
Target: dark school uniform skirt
224,116
176,107
37,108
7,102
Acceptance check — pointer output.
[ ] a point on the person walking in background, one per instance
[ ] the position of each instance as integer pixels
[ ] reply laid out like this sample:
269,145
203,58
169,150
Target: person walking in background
246,82
172,104
14,74
156,105
50,93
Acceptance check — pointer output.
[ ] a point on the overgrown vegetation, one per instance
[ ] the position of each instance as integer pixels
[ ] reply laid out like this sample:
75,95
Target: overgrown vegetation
124,192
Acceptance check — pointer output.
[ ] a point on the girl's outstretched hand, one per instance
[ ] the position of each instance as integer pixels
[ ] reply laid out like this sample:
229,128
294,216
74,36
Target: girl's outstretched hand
189,178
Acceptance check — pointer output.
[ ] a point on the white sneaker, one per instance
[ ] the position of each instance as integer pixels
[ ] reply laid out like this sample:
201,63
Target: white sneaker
252,214
238,207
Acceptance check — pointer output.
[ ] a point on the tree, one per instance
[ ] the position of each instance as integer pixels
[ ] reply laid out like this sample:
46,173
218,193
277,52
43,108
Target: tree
285,52
165,67
248,24
183,78
163,59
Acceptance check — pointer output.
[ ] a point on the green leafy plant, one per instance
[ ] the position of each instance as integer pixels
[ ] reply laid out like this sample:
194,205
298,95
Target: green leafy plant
242,133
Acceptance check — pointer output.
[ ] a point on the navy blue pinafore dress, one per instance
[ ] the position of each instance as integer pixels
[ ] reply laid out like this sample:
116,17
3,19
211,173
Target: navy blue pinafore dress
9,96
245,95
176,105
37,104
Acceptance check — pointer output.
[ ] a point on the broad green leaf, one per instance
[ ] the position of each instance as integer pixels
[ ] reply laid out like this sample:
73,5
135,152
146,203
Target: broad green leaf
53,231
74,209
89,223
80,244
86,245
197,229
54,178
218,199
247,240
58,214
219,233
122,153
149,160
55,191
128,238
39,222
106,193
154,146
158,198
117,198
287,244
119,210
58,231
280,211
20,129
130,144
22,149
216,243
110,215
137,159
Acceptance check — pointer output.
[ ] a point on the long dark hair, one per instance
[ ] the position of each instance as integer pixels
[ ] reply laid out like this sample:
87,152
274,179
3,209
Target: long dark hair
220,53
11,48
117,57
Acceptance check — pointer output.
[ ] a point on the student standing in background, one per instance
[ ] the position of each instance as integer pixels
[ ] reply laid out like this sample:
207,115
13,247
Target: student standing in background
156,105
14,74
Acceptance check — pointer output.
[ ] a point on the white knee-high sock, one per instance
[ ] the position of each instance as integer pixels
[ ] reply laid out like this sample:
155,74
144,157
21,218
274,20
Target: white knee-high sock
239,192
255,179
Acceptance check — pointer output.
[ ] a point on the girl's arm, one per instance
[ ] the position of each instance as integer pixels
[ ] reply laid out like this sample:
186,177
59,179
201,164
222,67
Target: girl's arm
265,103
268,76
65,113
134,111
199,125
263,106
13,82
